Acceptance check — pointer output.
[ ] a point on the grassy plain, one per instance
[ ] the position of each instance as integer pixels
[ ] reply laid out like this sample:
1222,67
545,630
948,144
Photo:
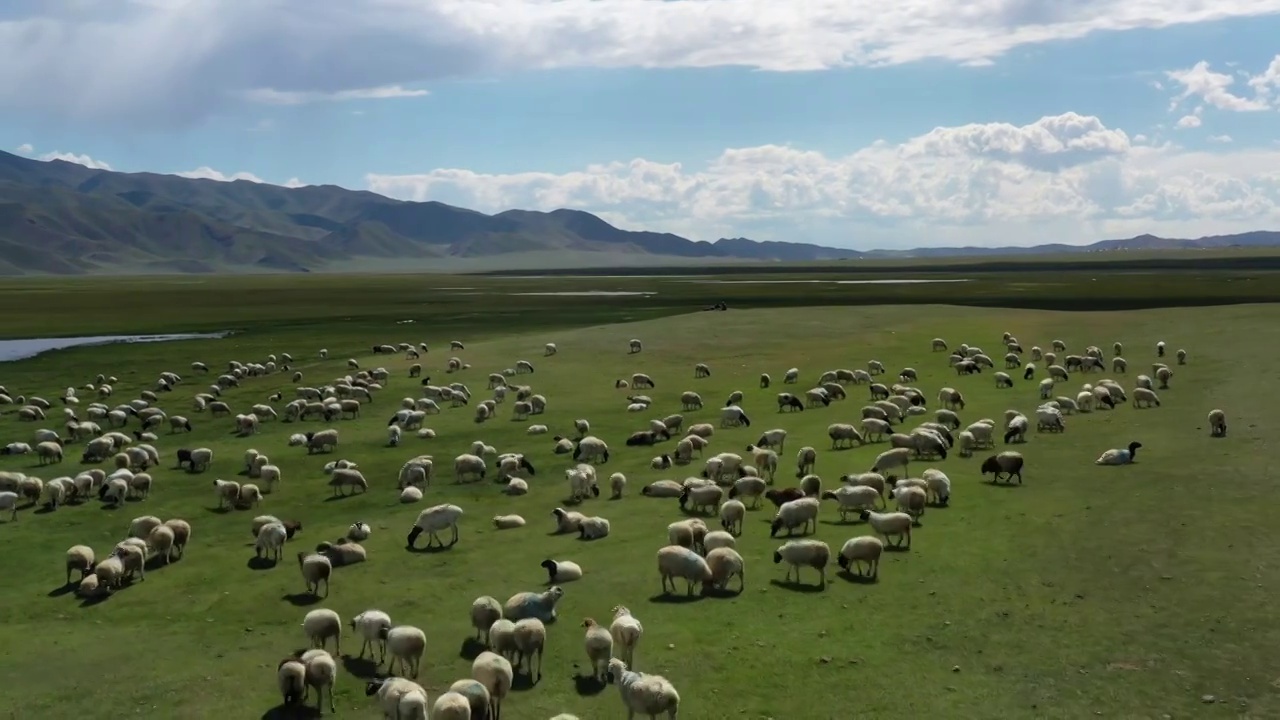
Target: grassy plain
1127,592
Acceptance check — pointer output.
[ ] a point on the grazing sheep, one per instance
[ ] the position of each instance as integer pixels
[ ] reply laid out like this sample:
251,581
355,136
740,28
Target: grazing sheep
809,553
485,611
677,561
1008,463
432,521
320,625
798,513
372,626
495,673
856,551
598,643
406,644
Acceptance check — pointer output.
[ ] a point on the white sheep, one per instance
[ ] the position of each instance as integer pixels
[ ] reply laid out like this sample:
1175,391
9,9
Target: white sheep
372,626
598,643
540,606
508,522
677,561
320,625
1217,423
734,416
593,528
407,644
809,553
432,521
316,568
643,693
495,673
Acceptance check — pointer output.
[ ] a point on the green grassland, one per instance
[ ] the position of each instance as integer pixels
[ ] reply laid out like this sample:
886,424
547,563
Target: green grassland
1124,592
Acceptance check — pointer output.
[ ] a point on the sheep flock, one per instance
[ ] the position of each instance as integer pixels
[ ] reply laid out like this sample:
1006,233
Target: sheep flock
270,441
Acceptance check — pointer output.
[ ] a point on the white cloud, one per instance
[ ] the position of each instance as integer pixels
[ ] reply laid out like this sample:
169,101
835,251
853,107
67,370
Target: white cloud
84,160
25,149
204,172
169,61
1188,121
1201,84
268,96
1220,138
1066,178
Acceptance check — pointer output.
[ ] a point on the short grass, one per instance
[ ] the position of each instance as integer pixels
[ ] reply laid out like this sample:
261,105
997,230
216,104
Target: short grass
1127,592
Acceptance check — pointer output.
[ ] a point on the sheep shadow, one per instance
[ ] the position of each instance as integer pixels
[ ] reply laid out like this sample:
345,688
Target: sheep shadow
219,510
675,598
587,686
97,599
302,599
291,712
842,523
471,649
1002,484
63,590
690,512
110,507
363,668
260,563
797,587
42,510
335,498
522,680
852,577
889,547
428,549
155,563
721,593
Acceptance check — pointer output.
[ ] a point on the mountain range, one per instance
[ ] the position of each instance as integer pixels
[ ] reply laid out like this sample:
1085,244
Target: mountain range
62,218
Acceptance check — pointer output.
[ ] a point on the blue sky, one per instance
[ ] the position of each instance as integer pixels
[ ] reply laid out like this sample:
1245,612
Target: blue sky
1004,122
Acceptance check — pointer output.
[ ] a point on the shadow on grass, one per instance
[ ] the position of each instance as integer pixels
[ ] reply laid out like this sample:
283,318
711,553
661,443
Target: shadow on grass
1002,484
42,510
797,587
587,686
839,523
896,548
692,513
101,597
219,510
260,563
851,577
675,598
64,590
429,549
336,498
108,506
302,599
721,593
291,712
471,649
363,668
525,680
155,563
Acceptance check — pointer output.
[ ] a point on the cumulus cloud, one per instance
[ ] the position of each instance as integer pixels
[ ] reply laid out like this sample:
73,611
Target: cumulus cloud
1188,121
1066,178
1202,85
24,149
84,160
268,96
178,60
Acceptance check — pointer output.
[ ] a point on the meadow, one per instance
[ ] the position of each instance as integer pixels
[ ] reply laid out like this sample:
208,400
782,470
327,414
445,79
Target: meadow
1142,591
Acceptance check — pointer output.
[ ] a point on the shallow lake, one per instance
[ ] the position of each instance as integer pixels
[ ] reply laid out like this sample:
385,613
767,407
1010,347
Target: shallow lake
30,347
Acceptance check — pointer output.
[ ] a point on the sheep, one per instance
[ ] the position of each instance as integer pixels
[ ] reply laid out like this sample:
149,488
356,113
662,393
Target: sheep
1008,463
1145,397
1217,423
529,637
1049,418
343,552
315,569
844,433
469,465
811,553
733,416
291,679
699,499
891,525
80,558
765,380
617,483
49,452
732,515
161,540
508,522
559,571
677,561
892,460
495,673
773,439
406,644
662,489
320,625
800,513
432,521
688,533
322,441
582,482
701,370
635,347
591,449
593,528
644,693
856,551
749,487
1164,374
448,706
372,625
806,459
854,498
626,631
410,494
1016,429
911,499
540,606
133,557
485,611
598,643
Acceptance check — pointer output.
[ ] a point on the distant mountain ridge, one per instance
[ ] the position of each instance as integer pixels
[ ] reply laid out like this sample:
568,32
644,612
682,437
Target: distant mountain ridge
62,218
